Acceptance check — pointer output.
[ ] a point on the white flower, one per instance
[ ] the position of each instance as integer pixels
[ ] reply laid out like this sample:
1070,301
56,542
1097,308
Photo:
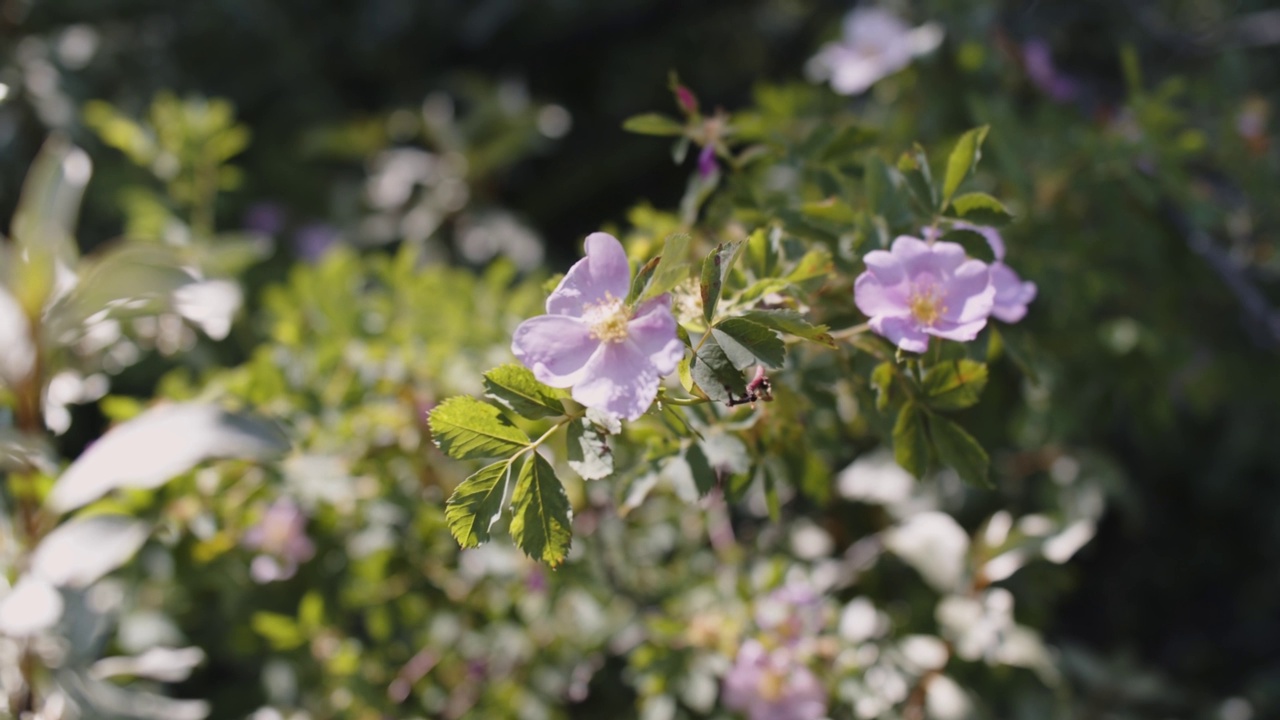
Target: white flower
875,44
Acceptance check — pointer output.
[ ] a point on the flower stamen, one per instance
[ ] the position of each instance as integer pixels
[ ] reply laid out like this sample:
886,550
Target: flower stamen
608,319
926,305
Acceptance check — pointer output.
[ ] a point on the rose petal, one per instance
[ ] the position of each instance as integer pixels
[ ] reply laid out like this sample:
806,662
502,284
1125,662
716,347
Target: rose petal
875,298
939,259
603,273
653,332
555,347
1011,294
903,331
961,332
618,379
885,266
991,234
968,295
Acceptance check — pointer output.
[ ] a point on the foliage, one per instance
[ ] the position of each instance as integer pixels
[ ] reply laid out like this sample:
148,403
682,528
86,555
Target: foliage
355,501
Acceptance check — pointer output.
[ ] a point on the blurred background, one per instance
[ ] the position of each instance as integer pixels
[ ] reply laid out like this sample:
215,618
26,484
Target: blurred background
1134,138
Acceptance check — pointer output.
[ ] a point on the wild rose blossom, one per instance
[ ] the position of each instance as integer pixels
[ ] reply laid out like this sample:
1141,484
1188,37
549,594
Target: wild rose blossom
611,354
875,45
773,685
281,537
1012,293
918,289
1037,58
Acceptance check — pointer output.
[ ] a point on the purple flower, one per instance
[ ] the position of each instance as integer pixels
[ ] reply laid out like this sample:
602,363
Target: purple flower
281,537
773,685
265,217
314,240
1012,293
707,160
917,289
875,44
1038,61
610,353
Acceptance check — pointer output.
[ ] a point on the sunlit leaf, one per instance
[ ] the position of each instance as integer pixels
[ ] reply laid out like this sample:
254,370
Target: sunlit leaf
540,522
653,124
466,428
672,269
980,208
588,450
515,387
476,504
83,549
791,323
712,371
963,159
160,444
955,384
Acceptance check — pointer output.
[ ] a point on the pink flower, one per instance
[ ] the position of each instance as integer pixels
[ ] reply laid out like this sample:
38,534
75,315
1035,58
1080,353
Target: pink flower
918,289
281,537
875,44
773,685
611,353
707,161
1038,61
1012,293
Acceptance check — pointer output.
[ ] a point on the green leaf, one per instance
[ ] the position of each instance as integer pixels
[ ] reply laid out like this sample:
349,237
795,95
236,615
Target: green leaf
955,384
712,371
715,268
815,263
747,343
882,383
279,630
981,209
963,159
588,450
771,499
515,387
974,244
883,192
642,279
832,210
959,450
540,522
704,476
791,323
653,124
476,504
910,441
466,428
914,166
311,612
672,268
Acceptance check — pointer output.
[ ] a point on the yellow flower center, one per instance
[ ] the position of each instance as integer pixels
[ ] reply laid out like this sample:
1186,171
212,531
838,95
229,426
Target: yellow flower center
608,319
771,685
926,304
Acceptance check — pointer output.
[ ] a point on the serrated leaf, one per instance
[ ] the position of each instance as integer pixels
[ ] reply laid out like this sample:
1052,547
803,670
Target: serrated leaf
653,124
712,371
466,428
715,268
791,323
747,343
515,387
910,440
588,450
960,451
672,268
964,157
541,516
955,384
476,504
980,208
